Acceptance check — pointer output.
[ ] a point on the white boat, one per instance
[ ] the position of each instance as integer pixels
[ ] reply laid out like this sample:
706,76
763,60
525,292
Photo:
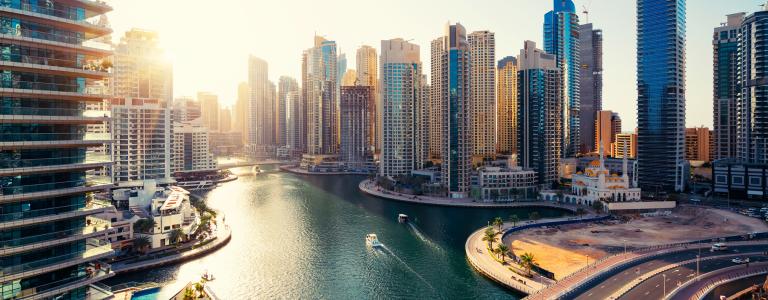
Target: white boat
402,218
372,240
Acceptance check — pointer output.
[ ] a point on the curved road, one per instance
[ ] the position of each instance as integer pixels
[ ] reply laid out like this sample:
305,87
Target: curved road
648,290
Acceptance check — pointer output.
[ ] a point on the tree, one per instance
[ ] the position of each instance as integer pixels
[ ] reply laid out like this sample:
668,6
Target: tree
534,216
144,225
580,212
514,219
597,206
527,260
502,250
140,244
498,222
189,294
199,288
175,236
490,237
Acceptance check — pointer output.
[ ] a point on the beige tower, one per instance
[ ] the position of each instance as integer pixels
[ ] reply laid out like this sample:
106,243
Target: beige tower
368,75
506,125
482,49
435,112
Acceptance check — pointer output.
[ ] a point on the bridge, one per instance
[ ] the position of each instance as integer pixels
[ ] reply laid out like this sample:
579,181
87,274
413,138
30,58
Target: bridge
250,163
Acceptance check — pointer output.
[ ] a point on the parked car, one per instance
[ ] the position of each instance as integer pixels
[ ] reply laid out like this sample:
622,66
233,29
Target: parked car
719,247
740,260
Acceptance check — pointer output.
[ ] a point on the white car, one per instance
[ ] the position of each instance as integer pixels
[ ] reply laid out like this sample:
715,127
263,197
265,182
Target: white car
740,261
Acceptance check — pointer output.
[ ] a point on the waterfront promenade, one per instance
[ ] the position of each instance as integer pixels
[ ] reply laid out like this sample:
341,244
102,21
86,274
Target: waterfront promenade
370,188
300,171
477,254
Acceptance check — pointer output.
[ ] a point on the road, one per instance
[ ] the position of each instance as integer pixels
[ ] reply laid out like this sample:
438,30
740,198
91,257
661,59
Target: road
603,289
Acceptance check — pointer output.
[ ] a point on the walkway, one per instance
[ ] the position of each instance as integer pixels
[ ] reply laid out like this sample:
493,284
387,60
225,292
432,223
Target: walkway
223,236
300,171
370,188
477,254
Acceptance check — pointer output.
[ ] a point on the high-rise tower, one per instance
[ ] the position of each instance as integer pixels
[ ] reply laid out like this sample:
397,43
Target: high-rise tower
561,39
482,46
506,88
590,83
49,248
752,101
661,95
367,75
319,90
725,44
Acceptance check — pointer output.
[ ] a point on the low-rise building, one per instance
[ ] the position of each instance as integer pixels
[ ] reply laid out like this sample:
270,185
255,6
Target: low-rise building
597,183
171,210
505,184
739,180
191,148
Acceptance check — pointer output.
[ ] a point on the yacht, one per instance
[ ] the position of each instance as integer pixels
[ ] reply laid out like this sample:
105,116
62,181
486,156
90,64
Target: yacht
402,218
372,240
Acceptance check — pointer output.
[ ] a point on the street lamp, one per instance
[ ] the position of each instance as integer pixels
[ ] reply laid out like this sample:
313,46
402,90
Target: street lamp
665,285
698,258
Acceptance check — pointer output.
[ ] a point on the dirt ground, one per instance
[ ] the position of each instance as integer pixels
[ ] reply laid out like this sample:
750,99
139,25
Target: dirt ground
565,249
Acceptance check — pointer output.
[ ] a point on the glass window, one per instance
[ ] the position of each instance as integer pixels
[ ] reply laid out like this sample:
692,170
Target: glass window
737,179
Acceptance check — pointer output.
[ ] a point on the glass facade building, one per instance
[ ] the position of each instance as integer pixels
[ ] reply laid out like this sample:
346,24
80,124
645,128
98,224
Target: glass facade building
661,95
725,53
752,101
47,63
591,83
561,39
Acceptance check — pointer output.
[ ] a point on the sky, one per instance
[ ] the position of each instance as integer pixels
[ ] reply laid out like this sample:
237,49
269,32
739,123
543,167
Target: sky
209,41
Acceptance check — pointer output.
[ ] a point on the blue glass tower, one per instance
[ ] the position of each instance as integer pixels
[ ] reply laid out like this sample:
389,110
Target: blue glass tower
661,94
48,61
561,39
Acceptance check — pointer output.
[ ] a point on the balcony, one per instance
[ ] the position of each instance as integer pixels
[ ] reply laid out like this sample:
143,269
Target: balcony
11,220
62,43
87,71
52,115
97,272
32,89
90,161
37,140
69,20
10,247
92,252
54,189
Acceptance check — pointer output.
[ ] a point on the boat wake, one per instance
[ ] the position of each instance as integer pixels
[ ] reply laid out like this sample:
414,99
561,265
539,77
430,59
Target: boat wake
384,248
421,236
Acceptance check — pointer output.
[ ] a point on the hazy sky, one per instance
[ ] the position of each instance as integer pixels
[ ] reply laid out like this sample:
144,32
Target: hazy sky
209,41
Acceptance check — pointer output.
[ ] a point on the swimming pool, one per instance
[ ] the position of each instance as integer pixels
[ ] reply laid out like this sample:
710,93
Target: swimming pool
147,294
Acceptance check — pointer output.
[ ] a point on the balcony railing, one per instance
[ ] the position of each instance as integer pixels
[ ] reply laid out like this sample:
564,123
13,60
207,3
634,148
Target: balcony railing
54,112
89,158
45,137
91,251
71,14
17,216
53,236
42,187
43,35
88,65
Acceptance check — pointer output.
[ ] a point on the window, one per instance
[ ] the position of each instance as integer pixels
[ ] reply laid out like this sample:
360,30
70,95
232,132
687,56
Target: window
755,181
737,180
721,179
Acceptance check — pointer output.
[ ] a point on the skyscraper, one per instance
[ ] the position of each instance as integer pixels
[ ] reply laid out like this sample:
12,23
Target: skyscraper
725,42
286,85
140,68
590,83
319,77
482,46
209,110
186,109
540,100
355,148
452,94
225,119
367,75
45,195
191,148
506,88
607,125
142,135
697,144
341,67
752,101
561,39
240,113
401,96
661,94
436,89
260,142
296,136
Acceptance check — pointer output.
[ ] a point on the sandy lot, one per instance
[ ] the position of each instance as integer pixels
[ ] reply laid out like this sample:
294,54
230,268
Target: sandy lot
566,249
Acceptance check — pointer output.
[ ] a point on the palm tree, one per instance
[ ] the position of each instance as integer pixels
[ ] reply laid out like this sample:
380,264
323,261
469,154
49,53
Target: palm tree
141,243
490,236
514,219
502,250
527,260
496,251
175,236
534,216
498,222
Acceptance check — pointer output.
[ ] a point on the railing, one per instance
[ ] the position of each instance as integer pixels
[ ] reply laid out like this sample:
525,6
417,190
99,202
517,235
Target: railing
104,270
71,14
57,161
32,188
74,63
54,112
43,86
43,35
52,236
716,280
95,251
46,137
17,216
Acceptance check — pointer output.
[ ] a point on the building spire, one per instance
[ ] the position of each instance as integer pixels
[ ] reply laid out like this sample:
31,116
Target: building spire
602,155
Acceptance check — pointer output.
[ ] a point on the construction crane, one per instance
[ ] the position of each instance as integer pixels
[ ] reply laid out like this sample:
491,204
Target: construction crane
586,13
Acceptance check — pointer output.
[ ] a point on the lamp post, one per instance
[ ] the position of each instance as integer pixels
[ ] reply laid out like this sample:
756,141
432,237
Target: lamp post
665,285
698,259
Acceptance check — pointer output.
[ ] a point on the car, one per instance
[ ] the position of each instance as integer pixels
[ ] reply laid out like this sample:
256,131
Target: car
719,247
740,260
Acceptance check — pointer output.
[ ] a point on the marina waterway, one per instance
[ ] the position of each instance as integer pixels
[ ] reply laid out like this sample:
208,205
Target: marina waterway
303,237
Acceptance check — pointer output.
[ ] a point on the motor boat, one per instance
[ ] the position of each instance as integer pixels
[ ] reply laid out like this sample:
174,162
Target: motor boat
372,240
402,218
